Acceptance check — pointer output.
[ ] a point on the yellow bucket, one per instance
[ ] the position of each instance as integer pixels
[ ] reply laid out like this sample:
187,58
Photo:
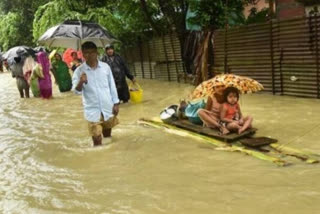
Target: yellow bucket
136,93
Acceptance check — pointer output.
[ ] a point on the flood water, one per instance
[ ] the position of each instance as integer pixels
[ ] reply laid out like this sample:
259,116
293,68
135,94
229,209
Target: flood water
48,164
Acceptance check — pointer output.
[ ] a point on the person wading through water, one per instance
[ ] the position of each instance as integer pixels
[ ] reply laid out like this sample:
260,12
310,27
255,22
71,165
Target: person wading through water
120,71
17,72
93,79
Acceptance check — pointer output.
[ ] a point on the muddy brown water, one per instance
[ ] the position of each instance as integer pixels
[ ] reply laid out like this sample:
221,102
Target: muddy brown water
48,165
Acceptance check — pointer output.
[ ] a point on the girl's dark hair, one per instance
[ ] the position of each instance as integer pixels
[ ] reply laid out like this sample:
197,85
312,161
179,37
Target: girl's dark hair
229,90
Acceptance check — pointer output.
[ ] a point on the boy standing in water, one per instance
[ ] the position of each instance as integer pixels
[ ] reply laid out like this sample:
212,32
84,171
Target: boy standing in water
93,79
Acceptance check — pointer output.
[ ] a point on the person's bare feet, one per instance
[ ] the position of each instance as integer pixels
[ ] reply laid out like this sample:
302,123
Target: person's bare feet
241,130
224,130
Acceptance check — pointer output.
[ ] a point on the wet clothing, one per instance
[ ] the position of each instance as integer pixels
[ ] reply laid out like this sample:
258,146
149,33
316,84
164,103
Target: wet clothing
17,72
22,83
62,75
95,128
120,71
45,84
27,68
34,80
99,94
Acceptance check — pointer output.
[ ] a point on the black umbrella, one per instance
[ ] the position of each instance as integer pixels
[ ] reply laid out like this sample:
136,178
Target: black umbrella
72,33
39,49
18,51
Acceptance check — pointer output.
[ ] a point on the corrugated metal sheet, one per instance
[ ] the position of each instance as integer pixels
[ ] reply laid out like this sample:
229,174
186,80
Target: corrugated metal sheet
159,58
273,53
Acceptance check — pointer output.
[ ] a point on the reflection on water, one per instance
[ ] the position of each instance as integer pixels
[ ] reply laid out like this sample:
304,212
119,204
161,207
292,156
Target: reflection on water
48,165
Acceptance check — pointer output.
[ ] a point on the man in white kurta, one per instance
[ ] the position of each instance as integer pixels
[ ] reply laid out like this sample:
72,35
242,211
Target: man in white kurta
93,79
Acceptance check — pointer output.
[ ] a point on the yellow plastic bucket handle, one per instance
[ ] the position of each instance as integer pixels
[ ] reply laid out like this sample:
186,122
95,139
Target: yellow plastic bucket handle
133,84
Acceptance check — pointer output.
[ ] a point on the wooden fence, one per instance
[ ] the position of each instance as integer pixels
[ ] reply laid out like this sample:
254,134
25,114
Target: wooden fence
282,55
159,58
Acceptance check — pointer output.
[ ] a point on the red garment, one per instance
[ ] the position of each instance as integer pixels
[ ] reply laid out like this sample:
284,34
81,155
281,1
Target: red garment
232,110
67,58
27,76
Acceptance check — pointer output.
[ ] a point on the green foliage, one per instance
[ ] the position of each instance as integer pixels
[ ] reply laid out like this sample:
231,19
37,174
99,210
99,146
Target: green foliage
9,31
258,17
21,6
122,18
125,19
24,10
212,14
50,15
82,6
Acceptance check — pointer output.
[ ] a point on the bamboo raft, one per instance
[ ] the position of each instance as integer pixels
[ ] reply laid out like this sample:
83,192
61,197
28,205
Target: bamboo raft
274,153
187,125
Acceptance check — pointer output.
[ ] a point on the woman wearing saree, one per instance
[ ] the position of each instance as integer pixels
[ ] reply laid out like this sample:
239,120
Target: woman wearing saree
61,73
32,73
45,84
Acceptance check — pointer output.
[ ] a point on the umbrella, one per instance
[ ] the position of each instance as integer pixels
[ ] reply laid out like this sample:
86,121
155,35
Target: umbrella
39,49
18,51
68,58
243,84
72,33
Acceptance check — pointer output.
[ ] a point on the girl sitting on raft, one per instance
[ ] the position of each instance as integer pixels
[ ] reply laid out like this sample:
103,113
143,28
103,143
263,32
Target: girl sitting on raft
231,115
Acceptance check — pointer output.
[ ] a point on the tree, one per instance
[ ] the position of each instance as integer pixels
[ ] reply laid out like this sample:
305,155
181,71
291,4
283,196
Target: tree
172,16
258,17
49,15
9,31
209,14
83,6
212,14
122,18
24,11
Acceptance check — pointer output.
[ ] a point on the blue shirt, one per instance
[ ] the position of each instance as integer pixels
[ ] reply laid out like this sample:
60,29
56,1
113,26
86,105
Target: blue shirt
99,94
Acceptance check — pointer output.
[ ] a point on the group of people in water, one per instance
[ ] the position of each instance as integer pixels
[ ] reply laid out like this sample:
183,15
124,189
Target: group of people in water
33,72
223,111
102,83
